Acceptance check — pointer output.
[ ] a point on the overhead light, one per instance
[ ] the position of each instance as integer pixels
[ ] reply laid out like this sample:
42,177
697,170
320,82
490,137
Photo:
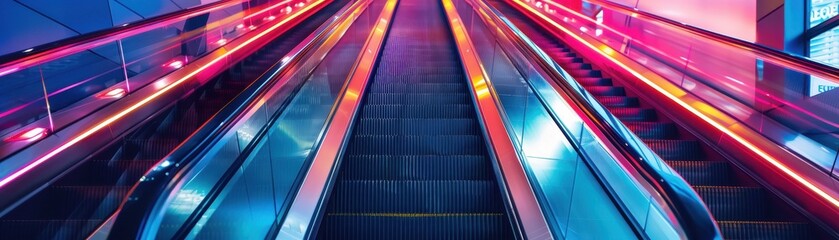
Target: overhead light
29,135
240,26
221,41
28,50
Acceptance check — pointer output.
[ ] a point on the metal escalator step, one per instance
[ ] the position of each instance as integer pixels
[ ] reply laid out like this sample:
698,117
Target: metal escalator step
418,88
418,98
634,114
564,60
707,173
411,126
585,72
418,167
580,66
589,81
420,70
765,230
676,149
735,202
417,145
618,101
653,130
425,77
438,196
418,111
606,91
487,226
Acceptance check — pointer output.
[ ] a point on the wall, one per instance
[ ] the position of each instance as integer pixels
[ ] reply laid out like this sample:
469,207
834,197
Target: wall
29,23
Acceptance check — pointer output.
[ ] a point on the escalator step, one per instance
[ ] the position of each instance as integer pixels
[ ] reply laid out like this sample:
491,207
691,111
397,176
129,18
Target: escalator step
618,101
735,202
418,69
440,196
676,149
563,60
585,66
653,130
416,226
634,114
765,230
420,167
417,145
585,73
426,77
409,126
594,81
418,98
418,111
708,173
606,91
437,88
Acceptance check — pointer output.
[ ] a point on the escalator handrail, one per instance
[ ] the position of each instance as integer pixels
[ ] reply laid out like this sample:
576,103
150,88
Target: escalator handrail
137,209
788,60
12,62
690,211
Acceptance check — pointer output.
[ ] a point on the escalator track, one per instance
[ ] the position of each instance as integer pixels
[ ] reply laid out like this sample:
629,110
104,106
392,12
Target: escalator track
743,208
416,165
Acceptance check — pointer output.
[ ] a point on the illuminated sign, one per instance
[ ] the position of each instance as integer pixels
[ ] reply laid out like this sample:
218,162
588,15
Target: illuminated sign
819,86
822,10
823,13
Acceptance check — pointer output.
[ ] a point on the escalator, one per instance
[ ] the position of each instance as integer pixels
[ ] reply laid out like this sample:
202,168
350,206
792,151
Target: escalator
84,197
742,207
416,165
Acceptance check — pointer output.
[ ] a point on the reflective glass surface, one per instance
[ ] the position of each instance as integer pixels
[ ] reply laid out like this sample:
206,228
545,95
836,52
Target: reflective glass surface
54,90
793,107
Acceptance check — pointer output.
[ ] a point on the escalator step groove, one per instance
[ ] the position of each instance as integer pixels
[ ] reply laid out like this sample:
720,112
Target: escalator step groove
417,167
765,230
707,173
418,98
417,144
676,149
735,202
653,130
634,114
417,126
418,111
427,196
448,226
